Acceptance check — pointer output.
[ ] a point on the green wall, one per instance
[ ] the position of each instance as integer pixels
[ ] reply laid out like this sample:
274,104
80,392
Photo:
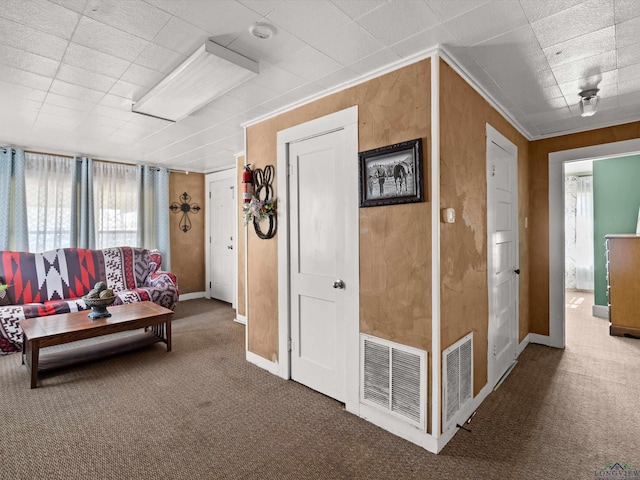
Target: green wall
616,199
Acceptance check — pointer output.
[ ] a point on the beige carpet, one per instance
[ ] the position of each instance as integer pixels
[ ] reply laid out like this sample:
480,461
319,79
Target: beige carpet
203,412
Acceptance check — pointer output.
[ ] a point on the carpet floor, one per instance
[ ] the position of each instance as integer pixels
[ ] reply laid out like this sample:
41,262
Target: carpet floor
203,412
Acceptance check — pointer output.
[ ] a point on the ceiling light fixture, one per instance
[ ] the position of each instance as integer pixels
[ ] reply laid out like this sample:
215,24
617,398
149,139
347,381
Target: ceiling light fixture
211,71
589,102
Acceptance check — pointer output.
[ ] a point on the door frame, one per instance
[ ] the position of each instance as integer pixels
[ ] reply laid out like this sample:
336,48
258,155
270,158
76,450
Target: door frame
556,337
342,120
503,142
209,178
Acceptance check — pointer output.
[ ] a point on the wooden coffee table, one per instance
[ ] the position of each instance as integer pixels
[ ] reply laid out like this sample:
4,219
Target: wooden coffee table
53,330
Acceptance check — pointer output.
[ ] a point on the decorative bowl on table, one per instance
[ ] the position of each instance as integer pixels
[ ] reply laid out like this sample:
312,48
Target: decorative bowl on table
99,299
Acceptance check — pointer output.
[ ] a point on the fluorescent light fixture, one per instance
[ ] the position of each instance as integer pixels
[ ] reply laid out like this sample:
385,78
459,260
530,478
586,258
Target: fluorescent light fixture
589,102
211,71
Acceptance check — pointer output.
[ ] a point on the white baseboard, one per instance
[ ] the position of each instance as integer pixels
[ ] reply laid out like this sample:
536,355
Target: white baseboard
268,365
463,416
399,428
600,311
523,344
191,296
540,339
242,319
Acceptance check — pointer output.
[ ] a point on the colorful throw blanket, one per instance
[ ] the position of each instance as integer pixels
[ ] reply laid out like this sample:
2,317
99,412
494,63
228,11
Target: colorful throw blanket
53,282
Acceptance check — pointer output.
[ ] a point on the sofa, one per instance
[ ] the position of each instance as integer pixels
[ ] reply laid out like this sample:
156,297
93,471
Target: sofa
53,282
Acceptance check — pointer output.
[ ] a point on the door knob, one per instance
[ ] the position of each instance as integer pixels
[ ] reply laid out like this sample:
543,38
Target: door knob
338,284
230,247
517,271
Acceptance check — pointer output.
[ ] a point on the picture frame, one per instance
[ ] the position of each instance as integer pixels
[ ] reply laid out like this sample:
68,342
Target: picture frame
391,175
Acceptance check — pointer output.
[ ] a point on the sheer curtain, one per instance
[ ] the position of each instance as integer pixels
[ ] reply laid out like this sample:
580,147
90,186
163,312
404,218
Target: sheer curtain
584,234
116,204
49,188
13,210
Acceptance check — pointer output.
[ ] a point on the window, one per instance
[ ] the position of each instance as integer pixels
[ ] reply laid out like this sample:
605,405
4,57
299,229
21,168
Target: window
115,194
49,188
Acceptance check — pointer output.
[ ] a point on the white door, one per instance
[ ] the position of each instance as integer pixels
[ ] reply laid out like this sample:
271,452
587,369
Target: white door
503,270
221,232
317,242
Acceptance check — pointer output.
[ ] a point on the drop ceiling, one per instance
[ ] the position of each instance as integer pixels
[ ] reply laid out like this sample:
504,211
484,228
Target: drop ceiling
71,69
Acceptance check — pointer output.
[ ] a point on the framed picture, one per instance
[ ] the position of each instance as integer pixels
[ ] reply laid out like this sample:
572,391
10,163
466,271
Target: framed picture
392,174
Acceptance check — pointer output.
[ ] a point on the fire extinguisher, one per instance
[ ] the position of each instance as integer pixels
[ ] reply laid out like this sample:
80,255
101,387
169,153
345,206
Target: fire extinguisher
247,184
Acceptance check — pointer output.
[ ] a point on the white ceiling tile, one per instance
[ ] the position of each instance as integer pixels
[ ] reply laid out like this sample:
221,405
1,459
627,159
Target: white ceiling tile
357,8
374,62
68,102
223,20
557,126
348,44
626,9
114,113
128,90
574,22
537,9
169,6
132,16
585,67
57,121
588,45
115,102
423,40
627,74
511,55
309,20
487,21
629,55
277,79
263,7
252,93
27,61
394,22
448,9
159,58
605,79
625,88
277,48
181,36
26,79
109,40
41,15
628,33
64,107
310,64
143,76
85,78
98,62
76,91
75,5
26,38
543,106
20,91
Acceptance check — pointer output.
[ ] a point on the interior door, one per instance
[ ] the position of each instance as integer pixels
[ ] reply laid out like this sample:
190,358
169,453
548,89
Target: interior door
317,242
503,271
221,244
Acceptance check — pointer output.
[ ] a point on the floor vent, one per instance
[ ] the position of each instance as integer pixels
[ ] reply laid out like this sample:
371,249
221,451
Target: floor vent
457,379
393,379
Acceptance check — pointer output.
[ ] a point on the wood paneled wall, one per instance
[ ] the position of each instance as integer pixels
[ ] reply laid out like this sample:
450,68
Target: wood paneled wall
395,241
463,186
187,249
539,199
241,244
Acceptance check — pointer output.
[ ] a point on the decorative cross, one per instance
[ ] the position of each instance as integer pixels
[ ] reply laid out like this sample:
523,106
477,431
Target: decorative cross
185,206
